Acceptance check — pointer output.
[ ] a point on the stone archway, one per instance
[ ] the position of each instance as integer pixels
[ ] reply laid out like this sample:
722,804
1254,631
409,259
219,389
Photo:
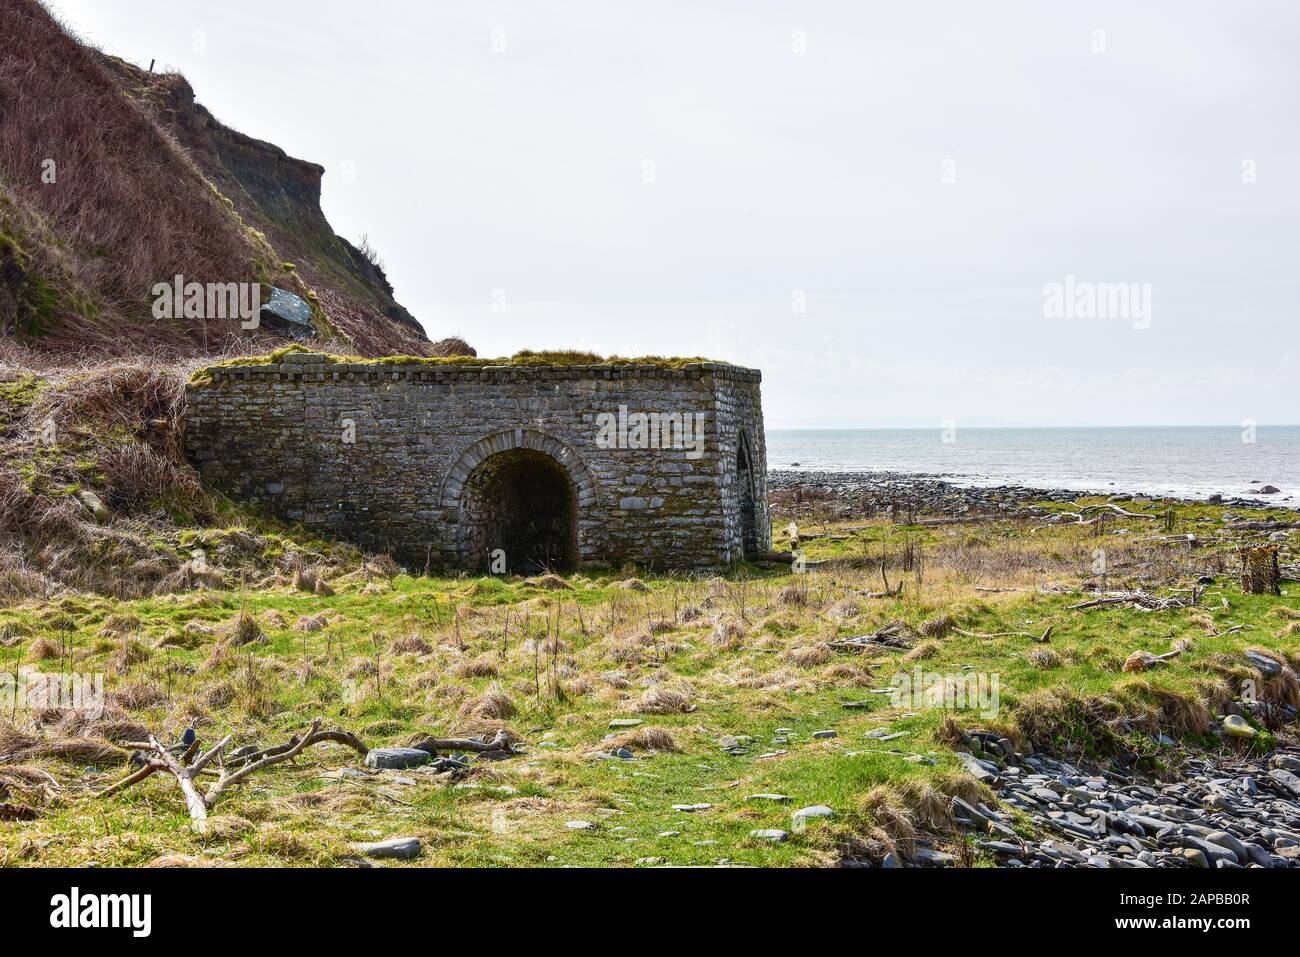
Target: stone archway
524,493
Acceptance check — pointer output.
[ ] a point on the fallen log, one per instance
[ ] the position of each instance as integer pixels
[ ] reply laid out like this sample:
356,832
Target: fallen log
502,742
1042,639
898,636
339,737
1140,661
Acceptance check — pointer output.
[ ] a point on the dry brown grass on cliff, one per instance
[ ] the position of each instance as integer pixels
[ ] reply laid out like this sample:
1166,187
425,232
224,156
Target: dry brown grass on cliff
453,346
120,423
123,233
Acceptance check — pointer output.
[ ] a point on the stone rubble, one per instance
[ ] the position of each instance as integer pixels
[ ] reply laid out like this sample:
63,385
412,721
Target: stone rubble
1225,812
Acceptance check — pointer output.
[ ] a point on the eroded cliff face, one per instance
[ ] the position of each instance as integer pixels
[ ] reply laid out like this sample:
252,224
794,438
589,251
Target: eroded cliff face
113,179
279,196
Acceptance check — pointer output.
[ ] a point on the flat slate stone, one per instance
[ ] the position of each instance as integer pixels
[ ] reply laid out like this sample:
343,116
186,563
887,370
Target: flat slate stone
1264,663
880,734
931,858
976,768
1004,847
397,758
814,810
775,835
1287,780
399,848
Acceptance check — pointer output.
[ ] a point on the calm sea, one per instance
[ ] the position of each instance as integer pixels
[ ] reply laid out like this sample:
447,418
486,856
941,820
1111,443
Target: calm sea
1187,462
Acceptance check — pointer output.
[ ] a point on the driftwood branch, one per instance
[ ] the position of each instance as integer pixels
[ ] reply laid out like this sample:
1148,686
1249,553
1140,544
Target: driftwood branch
1139,599
206,759
1106,510
185,778
1042,639
134,778
499,743
231,778
1085,509
187,767
316,737
896,636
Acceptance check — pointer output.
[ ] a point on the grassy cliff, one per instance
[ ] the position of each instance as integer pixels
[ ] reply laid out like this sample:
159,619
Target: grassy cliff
113,179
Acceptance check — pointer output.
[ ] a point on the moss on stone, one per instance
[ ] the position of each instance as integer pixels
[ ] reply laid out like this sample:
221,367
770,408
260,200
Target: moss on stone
17,395
523,359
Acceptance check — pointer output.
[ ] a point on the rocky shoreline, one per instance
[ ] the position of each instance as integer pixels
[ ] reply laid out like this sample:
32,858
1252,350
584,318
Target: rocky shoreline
1219,809
1224,812
862,494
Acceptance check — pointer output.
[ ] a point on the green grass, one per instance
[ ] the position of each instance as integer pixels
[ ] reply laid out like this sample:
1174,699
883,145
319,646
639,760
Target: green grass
514,812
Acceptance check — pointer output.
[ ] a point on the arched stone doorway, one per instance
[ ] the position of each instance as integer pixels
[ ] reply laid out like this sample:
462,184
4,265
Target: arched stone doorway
523,503
524,493
745,497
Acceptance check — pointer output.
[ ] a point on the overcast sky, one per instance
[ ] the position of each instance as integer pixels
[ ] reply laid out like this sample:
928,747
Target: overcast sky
863,199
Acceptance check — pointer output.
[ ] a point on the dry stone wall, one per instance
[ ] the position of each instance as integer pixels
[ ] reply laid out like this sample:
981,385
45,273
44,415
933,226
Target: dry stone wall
443,464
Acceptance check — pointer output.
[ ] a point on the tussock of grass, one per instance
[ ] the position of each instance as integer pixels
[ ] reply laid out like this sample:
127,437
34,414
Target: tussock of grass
1044,658
411,645
939,626
549,583
484,666
44,649
809,656
18,747
130,653
888,812
493,703
924,649
642,739
662,699
246,630
181,860
1060,720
